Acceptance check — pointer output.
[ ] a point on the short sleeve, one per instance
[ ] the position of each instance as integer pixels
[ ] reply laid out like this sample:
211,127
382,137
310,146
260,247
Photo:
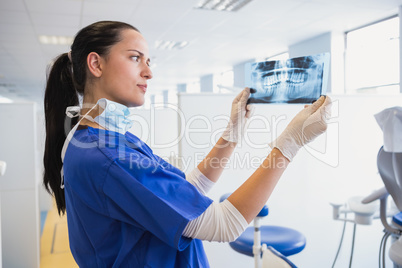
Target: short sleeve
169,166
141,192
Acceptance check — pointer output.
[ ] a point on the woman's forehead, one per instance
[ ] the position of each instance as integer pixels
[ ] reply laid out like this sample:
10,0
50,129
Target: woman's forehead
132,39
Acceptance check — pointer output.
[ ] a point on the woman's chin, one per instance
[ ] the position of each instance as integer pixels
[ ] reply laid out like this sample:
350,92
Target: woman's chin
135,103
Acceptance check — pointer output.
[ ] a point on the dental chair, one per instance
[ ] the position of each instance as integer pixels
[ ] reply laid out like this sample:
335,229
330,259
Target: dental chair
390,168
269,245
365,209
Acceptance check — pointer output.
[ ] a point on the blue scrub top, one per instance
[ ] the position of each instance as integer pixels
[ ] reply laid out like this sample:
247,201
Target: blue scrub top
127,207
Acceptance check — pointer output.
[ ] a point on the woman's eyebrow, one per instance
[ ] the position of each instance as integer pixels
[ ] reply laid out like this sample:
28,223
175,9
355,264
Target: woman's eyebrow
139,52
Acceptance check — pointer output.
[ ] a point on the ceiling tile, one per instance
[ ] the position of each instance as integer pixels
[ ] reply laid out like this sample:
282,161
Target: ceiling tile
55,20
13,17
107,9
365,4
6,60
201,21
2,52
23,41
72,7
166,5
12,5
15,29
56,30
120,2
297,18
87,20
217,39
52,51
170,19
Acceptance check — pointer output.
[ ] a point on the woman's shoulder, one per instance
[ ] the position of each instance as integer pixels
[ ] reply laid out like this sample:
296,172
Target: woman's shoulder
89,145
118,147
94,145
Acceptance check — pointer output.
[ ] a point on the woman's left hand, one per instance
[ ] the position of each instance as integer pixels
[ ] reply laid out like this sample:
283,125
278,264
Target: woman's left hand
240,113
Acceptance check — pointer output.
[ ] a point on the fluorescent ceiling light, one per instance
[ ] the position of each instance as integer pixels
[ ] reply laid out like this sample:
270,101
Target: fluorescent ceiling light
170,45
222,5
55,40
5,100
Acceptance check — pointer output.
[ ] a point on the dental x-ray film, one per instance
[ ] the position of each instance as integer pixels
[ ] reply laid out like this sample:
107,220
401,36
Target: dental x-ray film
296,80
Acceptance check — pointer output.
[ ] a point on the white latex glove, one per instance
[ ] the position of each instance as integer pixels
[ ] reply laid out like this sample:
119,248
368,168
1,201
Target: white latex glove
238,117
308,124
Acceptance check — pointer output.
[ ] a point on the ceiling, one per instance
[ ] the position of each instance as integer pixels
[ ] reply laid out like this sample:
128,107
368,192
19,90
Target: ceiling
217,40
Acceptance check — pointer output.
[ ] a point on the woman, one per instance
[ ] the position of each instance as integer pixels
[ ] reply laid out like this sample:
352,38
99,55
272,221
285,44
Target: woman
126,207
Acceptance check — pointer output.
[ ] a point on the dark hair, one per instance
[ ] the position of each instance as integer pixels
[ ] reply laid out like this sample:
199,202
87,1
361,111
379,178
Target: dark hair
66,79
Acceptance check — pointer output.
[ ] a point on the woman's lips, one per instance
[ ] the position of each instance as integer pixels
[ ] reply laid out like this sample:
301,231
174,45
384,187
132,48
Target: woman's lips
143,87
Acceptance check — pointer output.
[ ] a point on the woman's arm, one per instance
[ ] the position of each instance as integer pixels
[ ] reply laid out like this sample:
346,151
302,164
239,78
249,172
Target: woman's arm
309,123
213,164
224,222
253,194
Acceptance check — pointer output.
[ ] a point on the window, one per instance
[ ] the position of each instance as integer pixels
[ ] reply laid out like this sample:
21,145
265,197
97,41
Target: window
158,100
223,82
172,97
193,87
5,100
281,56
372,58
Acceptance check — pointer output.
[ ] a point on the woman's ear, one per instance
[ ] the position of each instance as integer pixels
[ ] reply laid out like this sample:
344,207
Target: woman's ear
93,63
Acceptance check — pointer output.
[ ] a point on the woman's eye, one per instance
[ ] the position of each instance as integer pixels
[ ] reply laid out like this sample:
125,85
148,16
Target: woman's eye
136,58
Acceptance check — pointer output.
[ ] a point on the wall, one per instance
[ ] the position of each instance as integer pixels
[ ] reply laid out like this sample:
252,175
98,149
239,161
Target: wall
328,42
45,199
19,186
158,127
334,167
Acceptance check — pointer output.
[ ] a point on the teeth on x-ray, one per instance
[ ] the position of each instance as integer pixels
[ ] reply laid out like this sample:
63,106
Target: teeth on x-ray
293,80
287,76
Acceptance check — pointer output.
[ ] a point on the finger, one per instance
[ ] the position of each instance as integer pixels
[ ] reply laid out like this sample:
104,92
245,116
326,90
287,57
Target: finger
327,106
250,110
245,96
238,97
324,111
317,104
250,107
327,102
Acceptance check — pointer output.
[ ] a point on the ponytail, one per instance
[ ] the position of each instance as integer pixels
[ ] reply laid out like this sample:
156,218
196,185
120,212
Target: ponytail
60,93
62,89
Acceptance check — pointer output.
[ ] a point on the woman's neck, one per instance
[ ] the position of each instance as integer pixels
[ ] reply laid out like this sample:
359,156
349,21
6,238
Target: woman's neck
88,106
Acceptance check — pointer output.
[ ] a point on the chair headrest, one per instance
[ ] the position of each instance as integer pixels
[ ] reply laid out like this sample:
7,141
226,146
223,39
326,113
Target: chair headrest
390,168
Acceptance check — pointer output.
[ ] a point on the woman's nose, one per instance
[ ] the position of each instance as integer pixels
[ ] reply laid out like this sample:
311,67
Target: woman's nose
147,73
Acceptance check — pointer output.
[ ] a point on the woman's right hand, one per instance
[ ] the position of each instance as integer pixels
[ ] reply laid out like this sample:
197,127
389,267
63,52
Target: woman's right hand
240,113
308,124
